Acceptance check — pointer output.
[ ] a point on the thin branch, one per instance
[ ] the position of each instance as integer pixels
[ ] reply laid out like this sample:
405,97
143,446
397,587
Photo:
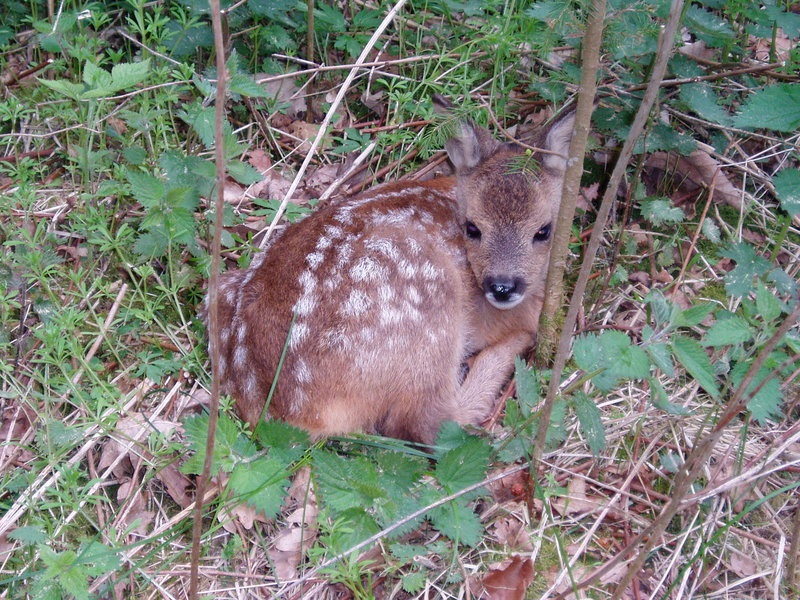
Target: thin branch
554,286
213,288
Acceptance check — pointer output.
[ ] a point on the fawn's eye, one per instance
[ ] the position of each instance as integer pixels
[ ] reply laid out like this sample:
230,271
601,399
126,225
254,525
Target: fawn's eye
543,234
472,231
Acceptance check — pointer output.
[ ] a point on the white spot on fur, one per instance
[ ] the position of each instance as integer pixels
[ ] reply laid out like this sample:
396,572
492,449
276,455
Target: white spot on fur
407,269
241,332
225,335
384,246
386,294
298,335
240,357
368,269
398,216
306,305
413,246
250,385
357,303
413,295
314,260
344,254
301,372
430,271
337,339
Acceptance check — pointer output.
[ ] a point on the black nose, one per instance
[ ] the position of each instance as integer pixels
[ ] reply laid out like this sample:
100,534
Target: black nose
504,289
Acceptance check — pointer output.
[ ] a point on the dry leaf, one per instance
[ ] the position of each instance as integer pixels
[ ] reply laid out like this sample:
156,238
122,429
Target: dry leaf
177,484
510,580
576,501
688,175
512,533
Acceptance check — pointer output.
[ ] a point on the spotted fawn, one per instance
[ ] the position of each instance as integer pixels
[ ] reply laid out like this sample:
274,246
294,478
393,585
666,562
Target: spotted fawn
368,310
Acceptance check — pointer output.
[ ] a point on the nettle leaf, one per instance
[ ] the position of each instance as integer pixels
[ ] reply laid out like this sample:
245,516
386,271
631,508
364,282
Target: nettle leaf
776,107
458,521
663,137
229,448
661,210
345,482
65,88
262,483
703,100
694,315
590,421
706,25
464,465
623,358
661,356
787,188
660,399
127,75
286,443
664,312
728,331
765,405
351,526
243,172
147,189
695,360
95,77
527,385
749,265
767,305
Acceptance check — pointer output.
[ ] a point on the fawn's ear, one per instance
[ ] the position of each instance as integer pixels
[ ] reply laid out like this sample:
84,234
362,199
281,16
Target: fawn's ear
470,146
556,142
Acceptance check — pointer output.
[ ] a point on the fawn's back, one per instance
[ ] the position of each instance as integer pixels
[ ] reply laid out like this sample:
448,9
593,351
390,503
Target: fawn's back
367,309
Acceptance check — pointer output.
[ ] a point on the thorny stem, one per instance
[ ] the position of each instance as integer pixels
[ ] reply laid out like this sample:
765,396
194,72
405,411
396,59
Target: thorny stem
213,305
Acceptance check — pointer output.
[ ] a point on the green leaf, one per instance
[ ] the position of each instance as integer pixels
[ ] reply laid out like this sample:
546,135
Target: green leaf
590,421
765,405
708,26
767,305
787,188
65,88
702,99
659,398
345,482
262,483
749,265
661,210
695,360
95,78
464,465
127,75
724,332
28,535
100,558
352,526
660,354
243,172
694,315
776,107
527,384
285,442
148,190
458,521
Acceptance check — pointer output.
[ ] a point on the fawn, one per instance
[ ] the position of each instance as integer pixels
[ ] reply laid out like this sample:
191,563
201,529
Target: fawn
367,310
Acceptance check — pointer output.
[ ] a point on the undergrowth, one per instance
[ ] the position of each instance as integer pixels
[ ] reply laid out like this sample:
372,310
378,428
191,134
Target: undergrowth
106,130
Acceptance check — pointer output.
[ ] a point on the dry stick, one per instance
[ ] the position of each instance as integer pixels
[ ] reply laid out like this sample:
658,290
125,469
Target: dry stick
329,117
213,290
555,273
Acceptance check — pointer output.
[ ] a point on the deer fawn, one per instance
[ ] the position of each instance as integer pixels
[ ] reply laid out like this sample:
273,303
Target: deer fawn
367,310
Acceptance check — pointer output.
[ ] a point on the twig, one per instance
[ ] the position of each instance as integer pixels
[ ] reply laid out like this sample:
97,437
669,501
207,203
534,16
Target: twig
323,128
213,289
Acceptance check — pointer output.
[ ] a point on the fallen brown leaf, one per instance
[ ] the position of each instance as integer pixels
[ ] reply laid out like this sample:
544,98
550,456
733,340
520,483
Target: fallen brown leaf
509,580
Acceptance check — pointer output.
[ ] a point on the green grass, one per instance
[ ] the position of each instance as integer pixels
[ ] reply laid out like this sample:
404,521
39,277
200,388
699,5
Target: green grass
105,175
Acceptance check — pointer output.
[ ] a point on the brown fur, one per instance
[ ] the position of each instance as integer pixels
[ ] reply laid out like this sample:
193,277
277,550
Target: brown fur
379,299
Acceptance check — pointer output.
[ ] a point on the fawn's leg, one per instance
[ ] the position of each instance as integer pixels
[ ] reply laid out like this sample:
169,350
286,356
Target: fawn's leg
490,369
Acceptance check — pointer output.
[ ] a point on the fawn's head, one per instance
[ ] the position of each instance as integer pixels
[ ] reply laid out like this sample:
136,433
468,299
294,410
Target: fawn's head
509,203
